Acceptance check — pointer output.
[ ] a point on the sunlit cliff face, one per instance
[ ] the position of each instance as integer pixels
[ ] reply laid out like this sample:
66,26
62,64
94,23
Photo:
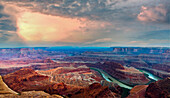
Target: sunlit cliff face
41,27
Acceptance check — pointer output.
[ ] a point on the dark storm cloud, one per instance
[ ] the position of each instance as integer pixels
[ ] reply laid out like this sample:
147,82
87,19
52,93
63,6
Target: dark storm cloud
1,13
8,36
3,37
5,22
92,9
105,10
168,13
9,39
6,25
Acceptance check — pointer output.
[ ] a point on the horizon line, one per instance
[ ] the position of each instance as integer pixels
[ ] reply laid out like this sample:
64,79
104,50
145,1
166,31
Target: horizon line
88,47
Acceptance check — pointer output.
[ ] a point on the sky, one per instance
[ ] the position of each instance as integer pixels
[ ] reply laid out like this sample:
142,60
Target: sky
100,23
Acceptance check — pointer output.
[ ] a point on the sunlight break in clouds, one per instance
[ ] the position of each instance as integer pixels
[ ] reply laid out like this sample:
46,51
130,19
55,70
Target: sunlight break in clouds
41,27
36,27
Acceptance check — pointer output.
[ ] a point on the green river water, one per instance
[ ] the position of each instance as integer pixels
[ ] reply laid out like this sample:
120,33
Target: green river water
109,78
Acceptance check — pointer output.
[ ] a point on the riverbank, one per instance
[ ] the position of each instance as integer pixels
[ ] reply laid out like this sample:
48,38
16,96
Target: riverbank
109,78
125,88
150,76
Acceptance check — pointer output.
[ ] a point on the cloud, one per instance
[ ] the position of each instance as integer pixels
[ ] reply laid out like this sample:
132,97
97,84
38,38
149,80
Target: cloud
8,36
159,35
152,38
49,28
105,10
46,28
154,14
3,37
10,39
150,43
82,22
92,9
5,22
103,40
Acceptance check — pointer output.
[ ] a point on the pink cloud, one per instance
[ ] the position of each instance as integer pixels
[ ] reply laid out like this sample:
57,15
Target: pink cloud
152,14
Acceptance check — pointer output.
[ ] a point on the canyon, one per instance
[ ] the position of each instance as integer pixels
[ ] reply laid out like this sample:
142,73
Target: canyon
29,80
73,72
126,75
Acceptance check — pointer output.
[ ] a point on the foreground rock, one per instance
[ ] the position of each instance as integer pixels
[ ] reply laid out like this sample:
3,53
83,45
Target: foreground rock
94,91
4,89
159,89
138,91
31,94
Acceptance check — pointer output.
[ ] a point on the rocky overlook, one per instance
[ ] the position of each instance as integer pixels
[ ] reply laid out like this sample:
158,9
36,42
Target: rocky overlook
159,89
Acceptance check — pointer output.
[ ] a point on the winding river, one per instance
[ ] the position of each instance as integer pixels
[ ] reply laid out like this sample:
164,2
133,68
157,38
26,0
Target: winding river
150,76
109,78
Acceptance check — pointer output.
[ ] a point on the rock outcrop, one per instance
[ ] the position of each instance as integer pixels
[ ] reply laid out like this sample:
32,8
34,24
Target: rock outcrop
94,91
82,75
4,89
138,91
159,89
26,79
31,94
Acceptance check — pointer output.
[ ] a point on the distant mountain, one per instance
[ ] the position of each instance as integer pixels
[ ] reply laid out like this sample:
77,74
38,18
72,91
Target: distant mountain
141,50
